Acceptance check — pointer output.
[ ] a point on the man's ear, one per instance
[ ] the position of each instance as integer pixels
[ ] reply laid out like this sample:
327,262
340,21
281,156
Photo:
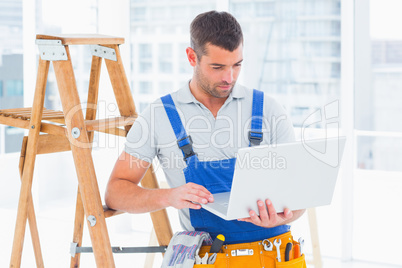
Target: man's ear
191,56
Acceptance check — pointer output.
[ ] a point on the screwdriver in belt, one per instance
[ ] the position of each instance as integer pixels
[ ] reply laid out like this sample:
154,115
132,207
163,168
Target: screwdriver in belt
287,251
215,248
217,244
297,251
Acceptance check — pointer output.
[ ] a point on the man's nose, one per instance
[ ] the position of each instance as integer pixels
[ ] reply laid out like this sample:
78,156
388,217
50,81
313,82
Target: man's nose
228,76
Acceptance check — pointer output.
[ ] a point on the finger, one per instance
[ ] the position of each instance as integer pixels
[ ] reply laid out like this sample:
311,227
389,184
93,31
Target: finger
254,218
263,211
200,196
199,187
196,198
273,216
245,219
192,205
202,191
207,193
288,213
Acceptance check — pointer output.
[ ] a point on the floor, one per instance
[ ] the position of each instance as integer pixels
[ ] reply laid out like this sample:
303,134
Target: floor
55,229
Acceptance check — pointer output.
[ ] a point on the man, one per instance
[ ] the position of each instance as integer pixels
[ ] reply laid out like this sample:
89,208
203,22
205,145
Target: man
196,132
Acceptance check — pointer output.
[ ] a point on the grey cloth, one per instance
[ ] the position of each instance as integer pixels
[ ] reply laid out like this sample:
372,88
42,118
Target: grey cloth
182,248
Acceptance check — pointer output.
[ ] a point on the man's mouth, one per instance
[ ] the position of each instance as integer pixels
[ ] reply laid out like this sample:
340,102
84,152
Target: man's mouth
225,86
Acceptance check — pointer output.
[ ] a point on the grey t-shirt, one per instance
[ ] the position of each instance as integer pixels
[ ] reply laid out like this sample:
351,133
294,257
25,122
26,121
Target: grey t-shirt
213,138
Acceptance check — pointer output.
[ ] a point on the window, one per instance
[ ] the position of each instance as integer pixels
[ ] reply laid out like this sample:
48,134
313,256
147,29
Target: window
165,87
11,66
378,104
145,51
145,87
165,58
14,88
160,13
139,13
145,58
264,9
377,117
292,52
295,48
160,36
14,137
165,51
184,66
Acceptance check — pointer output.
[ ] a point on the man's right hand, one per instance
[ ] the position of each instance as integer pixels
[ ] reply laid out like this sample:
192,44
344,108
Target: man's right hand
185,195
124,193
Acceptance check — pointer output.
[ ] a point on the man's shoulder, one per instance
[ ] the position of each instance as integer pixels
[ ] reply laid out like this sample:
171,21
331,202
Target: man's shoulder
248,92
156,107
181,95
271,104
158,101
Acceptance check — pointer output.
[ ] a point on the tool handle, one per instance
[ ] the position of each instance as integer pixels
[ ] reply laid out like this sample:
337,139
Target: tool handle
217,244
297,251
287,251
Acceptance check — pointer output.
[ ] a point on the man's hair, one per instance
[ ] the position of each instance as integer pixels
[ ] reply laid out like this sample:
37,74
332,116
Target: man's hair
217,28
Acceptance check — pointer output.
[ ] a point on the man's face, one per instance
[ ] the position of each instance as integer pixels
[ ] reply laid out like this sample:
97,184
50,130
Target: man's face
217,71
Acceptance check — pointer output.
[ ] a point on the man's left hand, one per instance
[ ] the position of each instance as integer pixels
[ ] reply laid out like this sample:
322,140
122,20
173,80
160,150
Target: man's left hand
268,217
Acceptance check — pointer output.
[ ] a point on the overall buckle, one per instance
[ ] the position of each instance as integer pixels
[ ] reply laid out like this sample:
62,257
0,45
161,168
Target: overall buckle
187,148
255,137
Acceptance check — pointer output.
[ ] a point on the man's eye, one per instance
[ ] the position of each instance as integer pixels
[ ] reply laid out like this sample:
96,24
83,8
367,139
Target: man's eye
217,67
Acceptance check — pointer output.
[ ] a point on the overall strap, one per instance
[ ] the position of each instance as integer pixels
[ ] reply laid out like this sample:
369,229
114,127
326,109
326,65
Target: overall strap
255,134
183,141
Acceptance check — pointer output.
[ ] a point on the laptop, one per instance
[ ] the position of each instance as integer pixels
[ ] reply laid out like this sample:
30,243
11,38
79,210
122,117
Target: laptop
295,175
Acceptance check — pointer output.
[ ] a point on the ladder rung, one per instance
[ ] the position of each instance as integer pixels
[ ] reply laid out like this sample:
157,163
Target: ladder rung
108,212
150,249
25,113
108,123
101,125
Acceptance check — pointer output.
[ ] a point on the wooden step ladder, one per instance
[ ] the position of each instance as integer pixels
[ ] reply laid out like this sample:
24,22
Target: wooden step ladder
70,130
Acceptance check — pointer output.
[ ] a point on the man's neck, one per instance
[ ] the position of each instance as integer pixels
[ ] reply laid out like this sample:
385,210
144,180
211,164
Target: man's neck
212,103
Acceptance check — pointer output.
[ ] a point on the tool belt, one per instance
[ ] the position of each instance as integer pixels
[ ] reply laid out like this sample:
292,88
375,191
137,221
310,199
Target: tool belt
256,255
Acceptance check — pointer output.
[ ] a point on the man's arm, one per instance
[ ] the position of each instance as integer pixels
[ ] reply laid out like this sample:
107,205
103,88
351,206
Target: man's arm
269,218
124,193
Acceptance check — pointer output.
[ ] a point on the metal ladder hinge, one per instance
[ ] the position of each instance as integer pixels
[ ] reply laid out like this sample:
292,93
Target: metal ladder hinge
104,52
51,50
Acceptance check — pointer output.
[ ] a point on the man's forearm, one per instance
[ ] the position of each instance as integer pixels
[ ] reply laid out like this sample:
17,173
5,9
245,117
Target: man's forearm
127,196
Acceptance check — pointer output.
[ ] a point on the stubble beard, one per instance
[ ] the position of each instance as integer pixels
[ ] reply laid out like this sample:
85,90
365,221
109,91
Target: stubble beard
212,90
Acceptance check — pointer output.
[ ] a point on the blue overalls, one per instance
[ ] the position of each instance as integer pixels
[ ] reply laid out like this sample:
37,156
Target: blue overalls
217,177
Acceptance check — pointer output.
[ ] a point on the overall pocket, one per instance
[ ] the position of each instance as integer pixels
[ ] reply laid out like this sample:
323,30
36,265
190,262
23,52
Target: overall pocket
295,263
